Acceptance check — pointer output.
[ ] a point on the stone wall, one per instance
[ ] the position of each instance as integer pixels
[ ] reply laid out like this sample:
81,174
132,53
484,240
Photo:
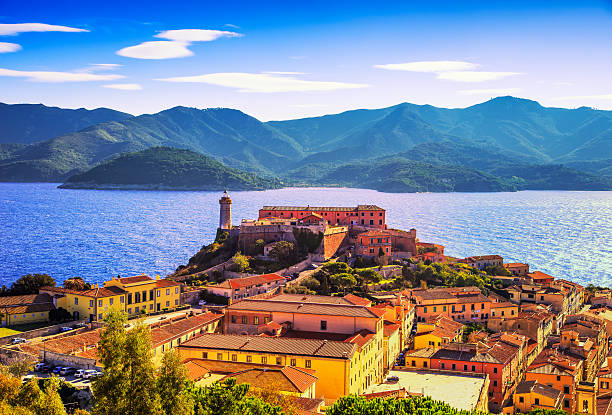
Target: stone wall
333,240
43,331
60,359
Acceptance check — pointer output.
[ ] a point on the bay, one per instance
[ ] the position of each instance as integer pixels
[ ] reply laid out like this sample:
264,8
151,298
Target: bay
98,234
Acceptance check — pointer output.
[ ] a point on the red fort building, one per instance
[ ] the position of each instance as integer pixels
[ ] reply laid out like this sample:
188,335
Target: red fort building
370,216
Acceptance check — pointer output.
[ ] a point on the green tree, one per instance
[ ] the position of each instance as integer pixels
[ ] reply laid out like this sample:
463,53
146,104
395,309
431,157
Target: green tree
228,398
259,246
344,281
31,283
497,270
283,252
127,386
414,405
369,275
172,384
240,262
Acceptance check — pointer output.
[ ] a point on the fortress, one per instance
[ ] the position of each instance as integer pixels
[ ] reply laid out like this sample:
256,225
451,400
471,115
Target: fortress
362,229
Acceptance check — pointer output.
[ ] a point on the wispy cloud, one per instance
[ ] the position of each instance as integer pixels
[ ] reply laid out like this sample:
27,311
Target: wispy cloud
233,26
285,73
584,97
9,47
308,105
429,66
16,28
100,67
124,87
56,77
261,82
176,46
475,76
493,91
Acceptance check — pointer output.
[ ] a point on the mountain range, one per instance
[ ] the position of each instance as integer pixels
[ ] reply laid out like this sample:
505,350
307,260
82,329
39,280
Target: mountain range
503,144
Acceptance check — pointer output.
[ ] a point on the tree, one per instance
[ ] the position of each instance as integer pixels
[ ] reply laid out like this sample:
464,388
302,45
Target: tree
31,283
172,384
127,386
228,398
369,275
259,246
240,262
20,367
413,405
283,252
497,270
344,281
59,314
76,283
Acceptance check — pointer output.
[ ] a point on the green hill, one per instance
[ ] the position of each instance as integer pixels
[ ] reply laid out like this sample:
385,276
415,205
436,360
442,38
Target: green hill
29,123
168,168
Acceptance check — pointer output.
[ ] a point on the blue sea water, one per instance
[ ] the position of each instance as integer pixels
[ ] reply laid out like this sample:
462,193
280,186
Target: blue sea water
98,234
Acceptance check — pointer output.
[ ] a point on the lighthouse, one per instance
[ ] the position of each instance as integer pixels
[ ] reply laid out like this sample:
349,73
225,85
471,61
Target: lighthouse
225,212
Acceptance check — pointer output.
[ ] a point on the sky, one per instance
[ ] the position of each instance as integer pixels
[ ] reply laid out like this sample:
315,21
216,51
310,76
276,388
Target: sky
284,60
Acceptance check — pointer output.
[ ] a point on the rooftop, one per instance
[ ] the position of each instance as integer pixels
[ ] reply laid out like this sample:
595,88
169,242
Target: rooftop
324,208
283,378
275,305
280,345
93,293
464,393
532,386
25,299
246,282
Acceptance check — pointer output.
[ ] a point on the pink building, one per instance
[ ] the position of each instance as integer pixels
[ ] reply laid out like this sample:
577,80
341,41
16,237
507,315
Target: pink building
363,215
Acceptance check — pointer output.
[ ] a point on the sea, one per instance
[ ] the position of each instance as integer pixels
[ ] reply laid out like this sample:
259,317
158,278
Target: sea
98,234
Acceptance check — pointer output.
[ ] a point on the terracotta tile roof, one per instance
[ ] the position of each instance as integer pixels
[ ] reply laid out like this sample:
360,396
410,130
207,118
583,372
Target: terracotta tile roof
195,369
306,406
353,299
247,282
93,293
27,308
25,299
66,345
515,265
390,328
532,386
164,332
273,305
361,338
285,378
135,279
166,283
426,352
374,234
538,275
280,345
604,404
314,299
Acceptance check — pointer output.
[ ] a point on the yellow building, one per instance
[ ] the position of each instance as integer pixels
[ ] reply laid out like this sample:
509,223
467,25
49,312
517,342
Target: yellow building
133,295
90,304
531,395
144,293
439,332
335,364
25,309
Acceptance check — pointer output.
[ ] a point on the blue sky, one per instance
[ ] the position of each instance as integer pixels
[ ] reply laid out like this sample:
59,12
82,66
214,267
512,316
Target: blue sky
277,60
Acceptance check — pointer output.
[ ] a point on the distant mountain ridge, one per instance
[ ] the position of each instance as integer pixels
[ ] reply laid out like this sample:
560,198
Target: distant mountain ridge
29,123
498,138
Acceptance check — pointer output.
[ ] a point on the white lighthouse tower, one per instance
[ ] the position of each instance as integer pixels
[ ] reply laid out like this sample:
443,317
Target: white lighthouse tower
225,212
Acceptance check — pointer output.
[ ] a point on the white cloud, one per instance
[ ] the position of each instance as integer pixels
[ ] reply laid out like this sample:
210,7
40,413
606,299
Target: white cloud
583,97
176,46
474,76
285,73
15,29
429,66
308,105
196,35
46,76
99,67
259,82
124,87
497,92
233,26
161,49
9,47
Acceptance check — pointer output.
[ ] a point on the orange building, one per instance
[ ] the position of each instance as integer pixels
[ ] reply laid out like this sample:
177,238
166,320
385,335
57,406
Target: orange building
463,304
363,215
539,277
371,243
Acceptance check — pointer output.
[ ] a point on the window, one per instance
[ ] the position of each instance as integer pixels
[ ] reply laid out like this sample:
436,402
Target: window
243,320
129,311
323,325
494,383
293,362
473,368
100,303
167,291
434,309
167,303
413,363
158,293
256,320
175,302
137,297
494,370
566,403
76,300
585,406
465,367
537,401
234,358
249,359
264,360
136,309
219,356
308,364
424,363
424,309
111,301
566,389
521,399
91,302
151,306
129,298
454,366
266,320
233,319
99,316
176,290
279,361
204,355
558,378
443,366
121,299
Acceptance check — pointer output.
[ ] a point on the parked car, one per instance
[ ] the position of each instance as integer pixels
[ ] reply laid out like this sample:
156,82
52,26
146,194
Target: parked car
18,340
79,373
79,325
88,374
38,367
27,378
56,370
66,328
67,370
392,379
